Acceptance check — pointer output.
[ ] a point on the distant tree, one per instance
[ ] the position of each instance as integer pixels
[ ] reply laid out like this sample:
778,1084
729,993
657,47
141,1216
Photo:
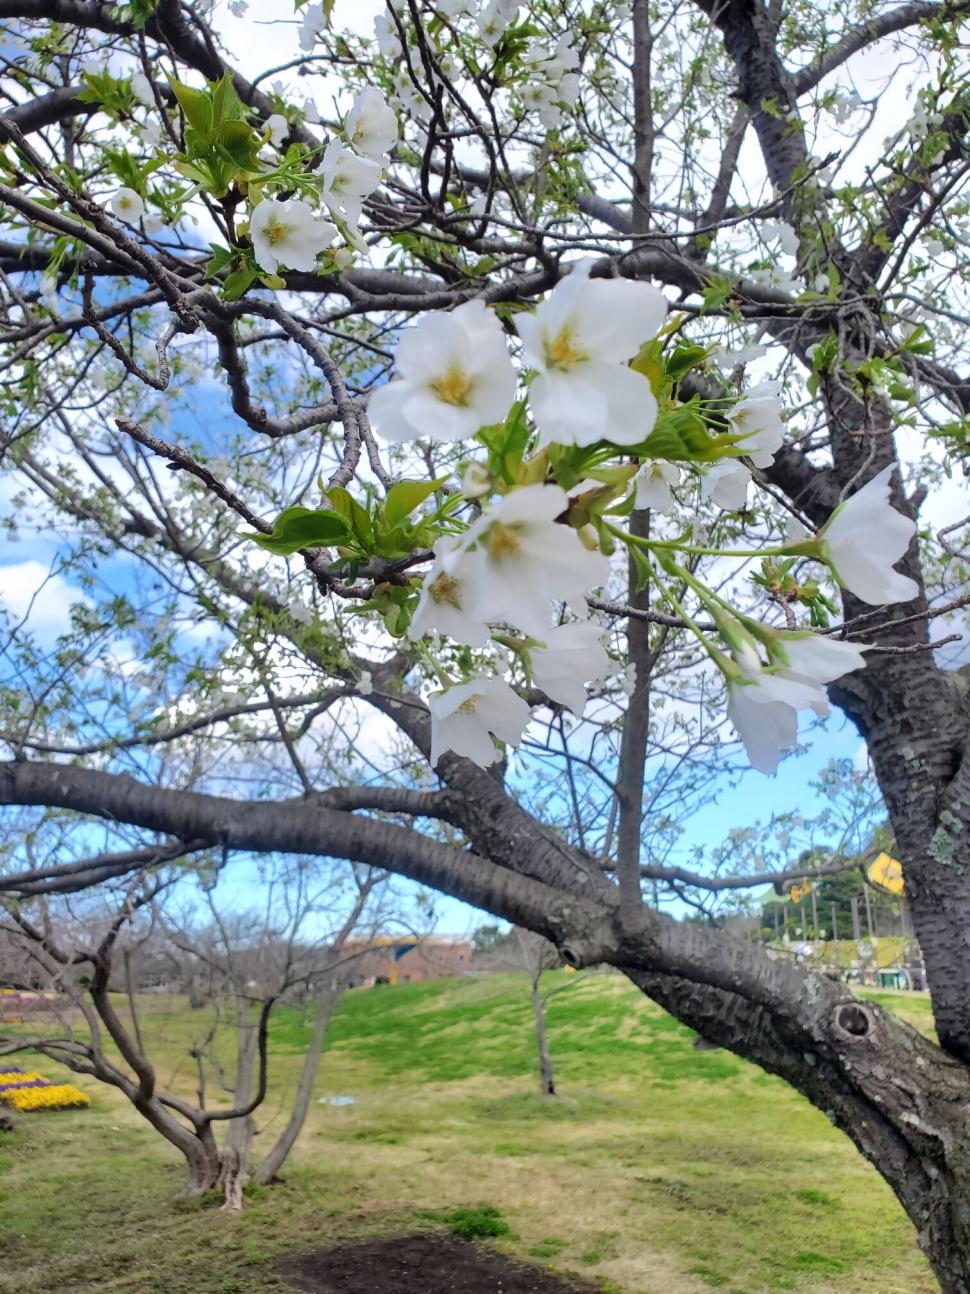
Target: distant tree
538,955
487,938
249,962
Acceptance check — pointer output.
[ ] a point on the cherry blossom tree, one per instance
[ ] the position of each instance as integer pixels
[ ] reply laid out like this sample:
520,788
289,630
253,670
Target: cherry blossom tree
381,392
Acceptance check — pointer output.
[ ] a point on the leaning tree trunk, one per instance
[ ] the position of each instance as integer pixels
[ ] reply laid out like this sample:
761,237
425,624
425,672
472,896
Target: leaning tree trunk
327,999
542,1043
902,1100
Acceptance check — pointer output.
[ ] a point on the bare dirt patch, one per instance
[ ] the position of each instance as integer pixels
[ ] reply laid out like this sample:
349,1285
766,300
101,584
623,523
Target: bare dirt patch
431,1264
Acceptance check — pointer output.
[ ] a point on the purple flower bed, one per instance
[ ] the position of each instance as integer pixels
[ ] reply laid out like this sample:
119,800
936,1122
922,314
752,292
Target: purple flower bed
32,1082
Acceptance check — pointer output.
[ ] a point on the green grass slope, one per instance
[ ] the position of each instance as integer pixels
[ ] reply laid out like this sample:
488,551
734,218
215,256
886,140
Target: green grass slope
658,1170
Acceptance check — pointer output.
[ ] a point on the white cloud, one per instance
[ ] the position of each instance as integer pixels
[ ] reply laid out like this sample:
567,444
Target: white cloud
29,593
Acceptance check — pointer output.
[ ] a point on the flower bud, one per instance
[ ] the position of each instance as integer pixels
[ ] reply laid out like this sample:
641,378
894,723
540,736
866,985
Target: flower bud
476,480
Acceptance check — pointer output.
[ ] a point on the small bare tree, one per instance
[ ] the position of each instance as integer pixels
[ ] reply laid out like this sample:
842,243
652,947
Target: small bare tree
250,962
537,955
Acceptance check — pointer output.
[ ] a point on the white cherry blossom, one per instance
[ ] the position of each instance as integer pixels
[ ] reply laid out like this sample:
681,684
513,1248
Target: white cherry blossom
141,88
743,355
127,205
516,559
278,128
726,483
371,124
347,180
567,90
495,18
314,21
862,541
573,655
475,480
288,233
815,659
757,417
786,235
464,716
542,99
388,41
580,339
764,710
763,706
444,599
456,376
406,98
238,8
654,481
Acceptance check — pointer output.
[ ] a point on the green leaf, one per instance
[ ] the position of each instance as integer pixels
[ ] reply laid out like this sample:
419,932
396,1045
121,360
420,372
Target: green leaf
226,104
649,364
297,528
405,496
681,435
196,104
684,358
355,516
718,292
221,257
236,283
240,143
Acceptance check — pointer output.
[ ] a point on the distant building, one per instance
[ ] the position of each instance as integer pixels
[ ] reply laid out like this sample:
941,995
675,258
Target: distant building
405,959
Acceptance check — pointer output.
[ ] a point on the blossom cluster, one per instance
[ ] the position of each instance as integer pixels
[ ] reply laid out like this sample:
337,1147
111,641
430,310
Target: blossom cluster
289,232
530,551
29,1092
548,83
284,232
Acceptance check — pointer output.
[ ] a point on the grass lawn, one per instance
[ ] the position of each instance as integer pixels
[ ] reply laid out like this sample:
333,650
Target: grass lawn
659,1169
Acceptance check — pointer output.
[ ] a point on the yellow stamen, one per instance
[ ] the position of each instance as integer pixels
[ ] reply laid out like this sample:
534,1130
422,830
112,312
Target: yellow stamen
276,231
467,707
453,387
503,543
445,589
563,352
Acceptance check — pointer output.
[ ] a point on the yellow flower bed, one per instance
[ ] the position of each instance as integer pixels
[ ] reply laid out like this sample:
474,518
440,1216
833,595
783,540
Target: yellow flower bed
60,1096
19,1078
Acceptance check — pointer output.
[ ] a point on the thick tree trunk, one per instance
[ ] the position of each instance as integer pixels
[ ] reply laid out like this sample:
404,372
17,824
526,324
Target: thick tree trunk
327,999
205,1168
903,1101
547,1085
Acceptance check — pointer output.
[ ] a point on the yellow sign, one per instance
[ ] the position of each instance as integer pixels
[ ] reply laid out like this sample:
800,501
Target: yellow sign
799,892
888,873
